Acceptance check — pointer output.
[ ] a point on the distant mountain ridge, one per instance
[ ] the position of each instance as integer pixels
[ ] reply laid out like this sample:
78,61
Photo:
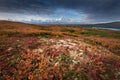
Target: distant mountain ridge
100,25
104,25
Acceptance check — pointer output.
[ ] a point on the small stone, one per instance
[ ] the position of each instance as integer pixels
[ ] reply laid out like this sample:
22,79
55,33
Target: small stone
57,63
18,40
10,48
40,50
80,54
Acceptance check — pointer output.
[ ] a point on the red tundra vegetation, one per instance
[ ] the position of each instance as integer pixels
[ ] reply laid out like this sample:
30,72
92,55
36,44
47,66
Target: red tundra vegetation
40,53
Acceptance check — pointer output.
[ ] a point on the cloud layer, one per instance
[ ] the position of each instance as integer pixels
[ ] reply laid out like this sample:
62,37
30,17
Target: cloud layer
96,10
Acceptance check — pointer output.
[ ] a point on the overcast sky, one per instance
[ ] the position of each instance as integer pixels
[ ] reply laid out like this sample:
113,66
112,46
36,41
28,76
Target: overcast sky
62,11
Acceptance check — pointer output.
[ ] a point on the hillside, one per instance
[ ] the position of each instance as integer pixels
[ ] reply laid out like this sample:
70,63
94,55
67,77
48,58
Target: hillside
52,52
104,25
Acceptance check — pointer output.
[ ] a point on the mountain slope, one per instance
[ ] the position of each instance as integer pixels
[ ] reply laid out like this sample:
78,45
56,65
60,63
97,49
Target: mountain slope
103,25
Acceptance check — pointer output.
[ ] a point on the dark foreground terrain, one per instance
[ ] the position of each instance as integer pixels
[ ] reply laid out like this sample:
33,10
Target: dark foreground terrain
33,52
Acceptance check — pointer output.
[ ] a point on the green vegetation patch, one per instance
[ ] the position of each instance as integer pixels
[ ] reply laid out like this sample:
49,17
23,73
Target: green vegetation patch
101,33
68,30
46,35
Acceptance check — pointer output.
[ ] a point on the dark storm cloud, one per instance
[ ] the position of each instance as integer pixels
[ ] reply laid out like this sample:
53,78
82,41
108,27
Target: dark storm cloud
26,6
95,9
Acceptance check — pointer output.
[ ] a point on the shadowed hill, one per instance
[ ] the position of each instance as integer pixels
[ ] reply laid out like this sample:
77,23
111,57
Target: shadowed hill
104,25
